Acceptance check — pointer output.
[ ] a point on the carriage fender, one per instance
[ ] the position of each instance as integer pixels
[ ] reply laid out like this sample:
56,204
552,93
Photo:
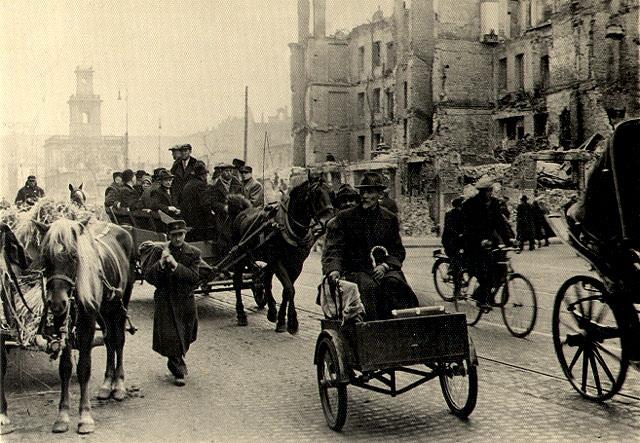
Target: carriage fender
342,352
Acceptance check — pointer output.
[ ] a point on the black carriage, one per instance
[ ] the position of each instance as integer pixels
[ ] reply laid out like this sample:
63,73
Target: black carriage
216,274
370,355
596,331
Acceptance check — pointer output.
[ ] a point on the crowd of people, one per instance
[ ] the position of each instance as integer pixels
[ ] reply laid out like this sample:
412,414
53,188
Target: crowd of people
187,191
474,227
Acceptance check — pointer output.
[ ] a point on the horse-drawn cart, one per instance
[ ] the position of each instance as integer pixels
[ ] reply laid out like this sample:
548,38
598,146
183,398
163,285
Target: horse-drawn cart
426,347
217,269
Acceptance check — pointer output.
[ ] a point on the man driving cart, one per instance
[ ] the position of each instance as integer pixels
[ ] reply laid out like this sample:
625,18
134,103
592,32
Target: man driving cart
364,247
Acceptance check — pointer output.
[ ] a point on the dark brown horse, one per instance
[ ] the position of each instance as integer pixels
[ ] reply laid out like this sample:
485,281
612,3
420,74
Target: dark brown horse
301,216
89,272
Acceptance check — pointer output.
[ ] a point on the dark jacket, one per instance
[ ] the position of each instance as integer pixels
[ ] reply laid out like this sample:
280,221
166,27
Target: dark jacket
542,228
389,204
254,191
175,321
111,195
144,202
197,203
483,221
352,235
525,222
161,200
33,193
128,197
181,177
220,192
453,232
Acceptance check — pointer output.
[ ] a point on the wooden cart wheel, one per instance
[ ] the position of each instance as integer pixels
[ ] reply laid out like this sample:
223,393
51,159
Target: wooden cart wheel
465,304
519,305
459,383
442,278
333,394
587,338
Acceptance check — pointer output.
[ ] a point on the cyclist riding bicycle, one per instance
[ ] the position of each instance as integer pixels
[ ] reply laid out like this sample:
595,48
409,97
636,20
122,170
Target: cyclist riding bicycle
452,239
484,229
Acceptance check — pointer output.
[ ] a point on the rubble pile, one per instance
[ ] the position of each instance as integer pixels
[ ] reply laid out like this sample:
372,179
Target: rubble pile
415,220
555,199
493,170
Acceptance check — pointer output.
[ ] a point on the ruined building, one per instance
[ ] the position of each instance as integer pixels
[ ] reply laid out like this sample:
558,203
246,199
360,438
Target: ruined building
566,69
85,155
473,75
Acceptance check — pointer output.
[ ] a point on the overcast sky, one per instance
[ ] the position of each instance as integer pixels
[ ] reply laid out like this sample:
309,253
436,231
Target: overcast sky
184,61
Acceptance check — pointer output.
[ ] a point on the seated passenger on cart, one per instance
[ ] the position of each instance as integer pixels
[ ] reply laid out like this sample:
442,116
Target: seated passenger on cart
352,236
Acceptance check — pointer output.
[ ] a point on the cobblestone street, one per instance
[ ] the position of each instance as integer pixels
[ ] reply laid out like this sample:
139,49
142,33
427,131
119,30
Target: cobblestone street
251,384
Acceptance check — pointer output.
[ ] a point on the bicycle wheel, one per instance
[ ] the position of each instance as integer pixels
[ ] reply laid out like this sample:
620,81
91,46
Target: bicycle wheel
459,383
467,305
519,305
442,279
586,328
333,394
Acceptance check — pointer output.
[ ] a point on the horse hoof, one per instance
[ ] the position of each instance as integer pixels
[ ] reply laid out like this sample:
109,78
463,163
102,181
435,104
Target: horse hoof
272,315
5,425
242,321
60,426
119,394
281,327
104,393
86,427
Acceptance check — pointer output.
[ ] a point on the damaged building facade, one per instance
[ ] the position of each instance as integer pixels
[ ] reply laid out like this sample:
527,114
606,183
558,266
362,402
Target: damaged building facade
564,70
473,75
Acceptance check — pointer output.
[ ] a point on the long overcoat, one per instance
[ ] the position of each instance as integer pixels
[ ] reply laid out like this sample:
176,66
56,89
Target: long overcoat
219,193
197,204
175,321
254,191
182,176
525,222
161,200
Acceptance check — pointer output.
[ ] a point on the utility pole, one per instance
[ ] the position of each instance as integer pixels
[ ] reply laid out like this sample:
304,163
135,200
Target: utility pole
126,126
159,141
246,122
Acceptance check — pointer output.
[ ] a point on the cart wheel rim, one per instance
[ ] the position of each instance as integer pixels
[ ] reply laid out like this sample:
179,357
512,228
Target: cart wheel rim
459,384
519,306
332,393
587,339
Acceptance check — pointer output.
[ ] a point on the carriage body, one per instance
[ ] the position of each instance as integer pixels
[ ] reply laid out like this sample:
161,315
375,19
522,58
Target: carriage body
595,325
372,355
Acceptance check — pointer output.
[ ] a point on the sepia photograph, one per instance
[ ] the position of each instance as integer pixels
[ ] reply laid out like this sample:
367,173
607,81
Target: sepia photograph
319,221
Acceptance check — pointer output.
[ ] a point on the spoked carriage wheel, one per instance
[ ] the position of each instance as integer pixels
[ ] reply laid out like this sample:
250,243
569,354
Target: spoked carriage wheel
587,338
519,305
333,394
442,279
464,303
459,383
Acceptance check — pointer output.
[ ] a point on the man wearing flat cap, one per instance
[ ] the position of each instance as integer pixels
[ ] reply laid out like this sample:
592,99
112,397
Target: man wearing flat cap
174,273
197,204
30,193
364,246
484,228
182,170
253,189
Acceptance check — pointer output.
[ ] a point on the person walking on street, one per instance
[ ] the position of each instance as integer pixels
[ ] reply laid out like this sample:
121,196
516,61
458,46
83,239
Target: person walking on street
525,224
175,321
253,189
182,170
30,193
542,228
161,197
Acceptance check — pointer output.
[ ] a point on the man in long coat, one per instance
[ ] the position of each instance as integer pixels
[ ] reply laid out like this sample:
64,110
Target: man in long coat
351,238
525,224
223,186
484,229
197,205
175,276
182,170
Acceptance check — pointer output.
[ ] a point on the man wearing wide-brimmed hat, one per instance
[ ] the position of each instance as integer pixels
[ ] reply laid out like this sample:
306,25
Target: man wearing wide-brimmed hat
484,229
175,276
364,246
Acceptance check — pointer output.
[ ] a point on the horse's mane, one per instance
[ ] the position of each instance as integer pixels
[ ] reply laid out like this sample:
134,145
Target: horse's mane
98,256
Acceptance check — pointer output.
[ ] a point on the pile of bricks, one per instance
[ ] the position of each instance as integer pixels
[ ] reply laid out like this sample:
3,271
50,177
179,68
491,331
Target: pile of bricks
415,220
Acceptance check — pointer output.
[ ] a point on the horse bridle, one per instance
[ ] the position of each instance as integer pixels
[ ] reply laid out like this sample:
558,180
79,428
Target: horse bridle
314,218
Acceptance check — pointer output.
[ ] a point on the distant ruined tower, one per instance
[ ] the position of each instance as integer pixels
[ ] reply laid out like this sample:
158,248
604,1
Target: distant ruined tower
84,107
